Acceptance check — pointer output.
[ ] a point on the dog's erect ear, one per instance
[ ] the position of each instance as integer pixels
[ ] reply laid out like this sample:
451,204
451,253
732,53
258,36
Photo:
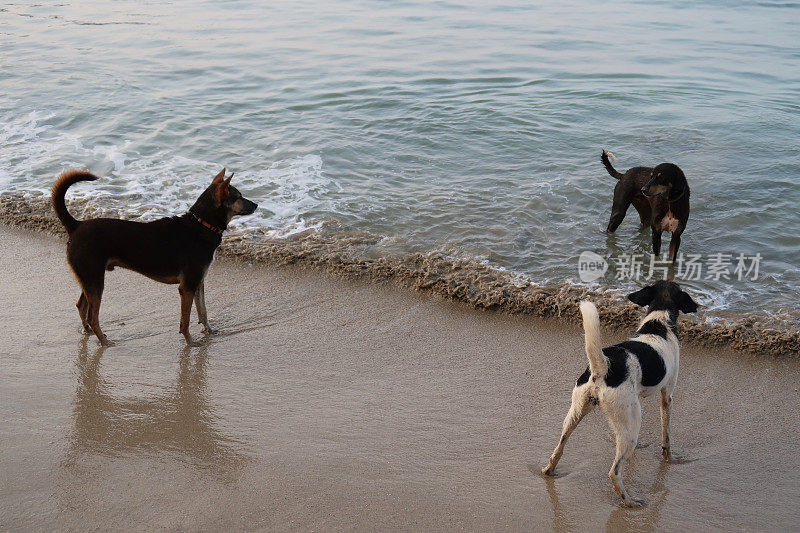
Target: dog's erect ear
222,190
685,303
642,297
219,177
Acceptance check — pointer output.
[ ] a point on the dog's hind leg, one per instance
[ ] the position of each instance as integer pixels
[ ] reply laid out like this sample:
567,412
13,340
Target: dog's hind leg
626,423
617,216
186,311
622,200
582,404
90,271
666,407
200,304
93,298
83,311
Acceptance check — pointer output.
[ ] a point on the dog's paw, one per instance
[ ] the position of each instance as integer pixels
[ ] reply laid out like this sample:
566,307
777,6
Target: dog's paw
106,342
678,460
208,330
547,471
633,502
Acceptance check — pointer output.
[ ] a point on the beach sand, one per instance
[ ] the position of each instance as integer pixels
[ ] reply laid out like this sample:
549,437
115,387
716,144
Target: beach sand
332,404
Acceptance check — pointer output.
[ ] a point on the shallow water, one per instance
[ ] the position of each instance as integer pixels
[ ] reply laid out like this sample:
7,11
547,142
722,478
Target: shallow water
473,128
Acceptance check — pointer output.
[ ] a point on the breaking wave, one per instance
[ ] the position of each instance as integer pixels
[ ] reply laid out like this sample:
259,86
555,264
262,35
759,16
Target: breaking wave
471,281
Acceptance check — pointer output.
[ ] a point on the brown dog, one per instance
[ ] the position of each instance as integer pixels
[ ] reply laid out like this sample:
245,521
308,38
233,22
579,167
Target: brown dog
175,250
660,195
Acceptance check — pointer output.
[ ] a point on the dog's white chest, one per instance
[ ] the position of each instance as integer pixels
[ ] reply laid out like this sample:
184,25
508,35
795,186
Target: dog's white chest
669,223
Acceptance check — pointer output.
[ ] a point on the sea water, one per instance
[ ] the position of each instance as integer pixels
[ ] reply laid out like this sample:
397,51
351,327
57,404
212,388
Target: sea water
474,128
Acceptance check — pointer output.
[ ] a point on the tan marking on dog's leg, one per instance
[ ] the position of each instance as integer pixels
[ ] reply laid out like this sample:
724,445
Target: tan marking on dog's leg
626,424
581,406
200,304
83,310
93,316
666,407
186,312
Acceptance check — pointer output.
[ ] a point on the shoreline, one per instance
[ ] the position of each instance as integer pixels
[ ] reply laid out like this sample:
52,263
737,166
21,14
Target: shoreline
475,284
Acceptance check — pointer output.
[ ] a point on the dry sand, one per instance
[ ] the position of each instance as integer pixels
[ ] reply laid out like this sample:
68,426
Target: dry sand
328,404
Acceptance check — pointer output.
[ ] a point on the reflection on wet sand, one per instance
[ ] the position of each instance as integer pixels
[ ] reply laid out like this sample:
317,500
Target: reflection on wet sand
621,518
644,518
179,420
561,521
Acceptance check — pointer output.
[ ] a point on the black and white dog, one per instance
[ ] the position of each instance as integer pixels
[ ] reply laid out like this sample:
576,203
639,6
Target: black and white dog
619,375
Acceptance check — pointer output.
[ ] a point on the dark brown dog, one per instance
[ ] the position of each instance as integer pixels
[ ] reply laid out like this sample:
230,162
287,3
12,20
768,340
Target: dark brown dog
660,195
175,250
627,191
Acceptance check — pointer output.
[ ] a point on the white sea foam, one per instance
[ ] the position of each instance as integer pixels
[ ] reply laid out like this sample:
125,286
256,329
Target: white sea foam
113,153
286,192
25,150
162,184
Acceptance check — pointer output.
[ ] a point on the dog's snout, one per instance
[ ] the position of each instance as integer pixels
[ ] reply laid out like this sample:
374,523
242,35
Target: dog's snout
250,208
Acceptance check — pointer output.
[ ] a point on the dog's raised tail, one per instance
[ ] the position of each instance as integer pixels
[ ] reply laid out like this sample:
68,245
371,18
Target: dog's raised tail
604,157
594,349
60,187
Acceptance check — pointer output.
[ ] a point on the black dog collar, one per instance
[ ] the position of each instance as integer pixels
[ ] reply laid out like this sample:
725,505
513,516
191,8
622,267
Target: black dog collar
673,200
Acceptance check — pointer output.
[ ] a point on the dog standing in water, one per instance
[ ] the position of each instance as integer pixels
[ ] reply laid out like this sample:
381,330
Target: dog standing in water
619,375
660,195
176,250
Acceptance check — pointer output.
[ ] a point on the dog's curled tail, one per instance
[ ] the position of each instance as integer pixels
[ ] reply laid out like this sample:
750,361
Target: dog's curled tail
604,157
594,350
60,187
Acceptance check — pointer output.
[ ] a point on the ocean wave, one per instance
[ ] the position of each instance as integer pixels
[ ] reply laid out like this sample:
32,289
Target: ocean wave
472,281
147,187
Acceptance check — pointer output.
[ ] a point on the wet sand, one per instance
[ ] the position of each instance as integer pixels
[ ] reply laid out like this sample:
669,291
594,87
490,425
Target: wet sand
330,404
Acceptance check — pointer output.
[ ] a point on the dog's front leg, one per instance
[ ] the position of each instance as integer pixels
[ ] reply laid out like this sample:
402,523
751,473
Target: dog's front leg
200,304
186,311
643,207
656,241
674,244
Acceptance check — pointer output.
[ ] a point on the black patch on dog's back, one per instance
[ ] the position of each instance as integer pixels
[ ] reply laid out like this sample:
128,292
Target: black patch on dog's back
583,378
617,365
653,327
651,362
